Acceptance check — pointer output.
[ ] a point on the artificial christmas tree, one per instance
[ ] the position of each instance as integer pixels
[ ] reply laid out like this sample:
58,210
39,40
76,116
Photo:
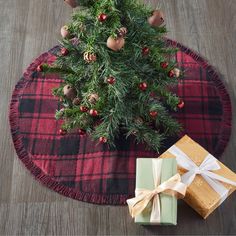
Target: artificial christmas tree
117,70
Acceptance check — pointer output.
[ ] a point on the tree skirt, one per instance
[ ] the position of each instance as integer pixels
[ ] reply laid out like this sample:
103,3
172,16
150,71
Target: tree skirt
79,168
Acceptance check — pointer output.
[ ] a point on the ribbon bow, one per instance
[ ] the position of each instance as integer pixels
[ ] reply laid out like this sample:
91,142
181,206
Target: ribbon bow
172,186
209,164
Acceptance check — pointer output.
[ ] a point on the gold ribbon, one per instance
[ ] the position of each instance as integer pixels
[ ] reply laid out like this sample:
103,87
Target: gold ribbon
172,187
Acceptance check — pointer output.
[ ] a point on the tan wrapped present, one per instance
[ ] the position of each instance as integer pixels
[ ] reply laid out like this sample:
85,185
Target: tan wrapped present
209,181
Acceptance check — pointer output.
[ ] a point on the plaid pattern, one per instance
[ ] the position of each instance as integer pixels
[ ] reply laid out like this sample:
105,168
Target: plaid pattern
79,168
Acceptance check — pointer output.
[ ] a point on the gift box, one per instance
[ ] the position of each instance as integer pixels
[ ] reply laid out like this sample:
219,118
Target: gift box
157,186
209,181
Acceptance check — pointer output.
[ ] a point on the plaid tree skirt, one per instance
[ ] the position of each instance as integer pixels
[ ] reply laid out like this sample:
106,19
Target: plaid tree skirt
79,168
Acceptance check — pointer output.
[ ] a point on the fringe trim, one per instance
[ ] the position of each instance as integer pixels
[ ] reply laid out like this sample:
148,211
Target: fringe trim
24,156
95,198
225,132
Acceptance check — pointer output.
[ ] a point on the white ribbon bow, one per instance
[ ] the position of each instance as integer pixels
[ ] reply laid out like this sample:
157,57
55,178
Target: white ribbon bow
205,170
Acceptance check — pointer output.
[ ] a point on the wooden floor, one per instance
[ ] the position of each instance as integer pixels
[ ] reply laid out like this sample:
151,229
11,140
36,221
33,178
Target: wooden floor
30,27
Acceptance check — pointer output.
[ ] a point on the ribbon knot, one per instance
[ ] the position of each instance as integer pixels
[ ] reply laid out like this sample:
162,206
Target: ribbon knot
197,171
172,186
157,190
209,164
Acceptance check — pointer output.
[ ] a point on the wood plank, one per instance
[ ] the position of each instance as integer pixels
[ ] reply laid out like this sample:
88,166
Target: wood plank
29,28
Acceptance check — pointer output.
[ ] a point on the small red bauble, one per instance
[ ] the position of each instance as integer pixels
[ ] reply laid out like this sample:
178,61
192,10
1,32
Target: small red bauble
84,109
111,80
93,112
64,51
39,68
164,64
145,51
143,86
103,140
180,104
153,113
81,132
171,74
102,17
62,132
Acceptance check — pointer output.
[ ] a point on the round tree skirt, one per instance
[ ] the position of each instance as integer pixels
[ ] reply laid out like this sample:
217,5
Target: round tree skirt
79,168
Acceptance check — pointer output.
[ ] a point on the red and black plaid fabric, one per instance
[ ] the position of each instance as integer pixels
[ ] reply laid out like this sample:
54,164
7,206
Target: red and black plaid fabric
79,168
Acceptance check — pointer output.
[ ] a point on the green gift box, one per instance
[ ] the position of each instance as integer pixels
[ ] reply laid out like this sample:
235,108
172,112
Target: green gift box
145,180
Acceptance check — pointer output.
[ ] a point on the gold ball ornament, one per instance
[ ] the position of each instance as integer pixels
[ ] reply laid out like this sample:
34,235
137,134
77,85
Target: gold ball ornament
90,57
115,44
157,18
64,31
69,92
93,98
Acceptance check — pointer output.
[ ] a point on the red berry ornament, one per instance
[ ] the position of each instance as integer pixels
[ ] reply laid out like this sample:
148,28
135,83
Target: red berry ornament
84,109
171,74
181,104
62,132
64,51
102,17
164,64
145,51
93,112
143,86
103,140
81,132
111,80
153,113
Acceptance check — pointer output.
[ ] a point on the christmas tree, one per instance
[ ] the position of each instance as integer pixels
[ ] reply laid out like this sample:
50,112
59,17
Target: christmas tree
117,72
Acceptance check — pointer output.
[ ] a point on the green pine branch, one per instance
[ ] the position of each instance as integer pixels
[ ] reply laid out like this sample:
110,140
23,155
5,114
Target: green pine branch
122,106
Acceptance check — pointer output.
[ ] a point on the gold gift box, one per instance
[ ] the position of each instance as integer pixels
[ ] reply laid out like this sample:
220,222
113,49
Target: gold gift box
200,195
